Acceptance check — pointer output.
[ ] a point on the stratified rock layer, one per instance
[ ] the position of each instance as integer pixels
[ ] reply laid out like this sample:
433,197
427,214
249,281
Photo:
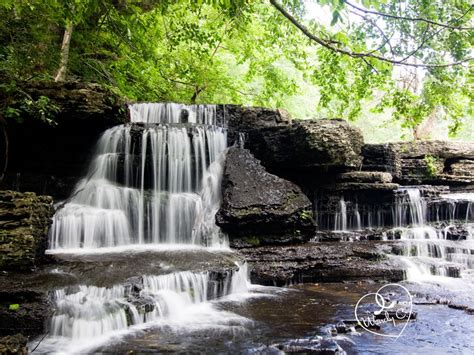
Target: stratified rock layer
24,223
261,207
241,119
426,162
310,144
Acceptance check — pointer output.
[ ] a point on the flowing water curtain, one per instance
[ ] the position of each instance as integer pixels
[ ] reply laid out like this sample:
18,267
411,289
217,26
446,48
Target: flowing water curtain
92,312
156,180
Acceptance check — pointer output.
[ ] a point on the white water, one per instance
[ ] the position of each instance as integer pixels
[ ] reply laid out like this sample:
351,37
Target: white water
152,184
428,253
90,316
340,222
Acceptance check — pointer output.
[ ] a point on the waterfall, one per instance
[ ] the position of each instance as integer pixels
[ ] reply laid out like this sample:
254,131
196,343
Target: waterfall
340,222
90,314
153,181
428,250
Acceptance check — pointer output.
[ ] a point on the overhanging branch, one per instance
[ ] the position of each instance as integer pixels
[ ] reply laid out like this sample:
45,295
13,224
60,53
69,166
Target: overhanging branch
352,54
406,18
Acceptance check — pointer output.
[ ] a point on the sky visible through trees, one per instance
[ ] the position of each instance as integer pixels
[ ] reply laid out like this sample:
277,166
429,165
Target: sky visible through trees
398,69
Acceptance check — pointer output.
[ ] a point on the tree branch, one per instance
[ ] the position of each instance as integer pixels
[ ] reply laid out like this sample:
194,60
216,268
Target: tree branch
374,23
405,18
352,54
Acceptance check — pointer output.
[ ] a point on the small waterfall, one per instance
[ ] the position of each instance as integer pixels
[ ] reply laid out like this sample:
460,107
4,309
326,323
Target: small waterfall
340,223
358,220
173,113
417,207
428,250
89,313
410,208
347,217
154,181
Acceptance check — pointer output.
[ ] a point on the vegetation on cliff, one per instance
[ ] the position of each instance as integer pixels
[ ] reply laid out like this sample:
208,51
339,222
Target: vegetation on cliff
324,58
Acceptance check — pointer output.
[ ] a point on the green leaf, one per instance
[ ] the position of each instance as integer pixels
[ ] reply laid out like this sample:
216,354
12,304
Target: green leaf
14,307
335,17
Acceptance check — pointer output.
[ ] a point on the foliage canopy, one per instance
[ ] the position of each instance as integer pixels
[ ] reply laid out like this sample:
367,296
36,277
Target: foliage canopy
411,57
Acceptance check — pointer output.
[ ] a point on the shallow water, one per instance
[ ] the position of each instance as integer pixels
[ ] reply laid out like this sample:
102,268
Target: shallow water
268,318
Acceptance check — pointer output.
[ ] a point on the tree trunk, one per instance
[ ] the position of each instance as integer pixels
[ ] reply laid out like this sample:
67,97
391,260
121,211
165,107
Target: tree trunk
61,75
425,129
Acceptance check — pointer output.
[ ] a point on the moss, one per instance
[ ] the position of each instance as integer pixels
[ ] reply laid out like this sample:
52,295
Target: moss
306,215
253,241
431,165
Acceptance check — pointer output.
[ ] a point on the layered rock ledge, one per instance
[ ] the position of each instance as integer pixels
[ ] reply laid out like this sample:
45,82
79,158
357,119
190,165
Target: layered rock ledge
317,145
322,262
24,224
425,162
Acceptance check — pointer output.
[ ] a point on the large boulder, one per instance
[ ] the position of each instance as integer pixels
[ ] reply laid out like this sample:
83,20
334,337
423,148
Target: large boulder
261,208
309,144
24,224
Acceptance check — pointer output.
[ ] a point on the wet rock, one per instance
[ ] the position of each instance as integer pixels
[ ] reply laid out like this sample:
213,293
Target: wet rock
24,224
321,262
261,208
461,307
365,177
13,344
24,311
362,186
308,144
315,345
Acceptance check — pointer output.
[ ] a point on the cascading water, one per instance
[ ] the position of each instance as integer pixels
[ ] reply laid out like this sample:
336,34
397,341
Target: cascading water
154,181
91,314
345,220
99,310
340,220
435,229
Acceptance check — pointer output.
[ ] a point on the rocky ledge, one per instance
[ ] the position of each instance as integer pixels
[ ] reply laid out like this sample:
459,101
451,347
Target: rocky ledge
425,162
316,145
322,262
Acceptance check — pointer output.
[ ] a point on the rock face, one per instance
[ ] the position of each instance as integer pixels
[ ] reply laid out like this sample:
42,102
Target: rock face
311,144
24,223
426,162
365,177
259,207
48,160
13,344
242,119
